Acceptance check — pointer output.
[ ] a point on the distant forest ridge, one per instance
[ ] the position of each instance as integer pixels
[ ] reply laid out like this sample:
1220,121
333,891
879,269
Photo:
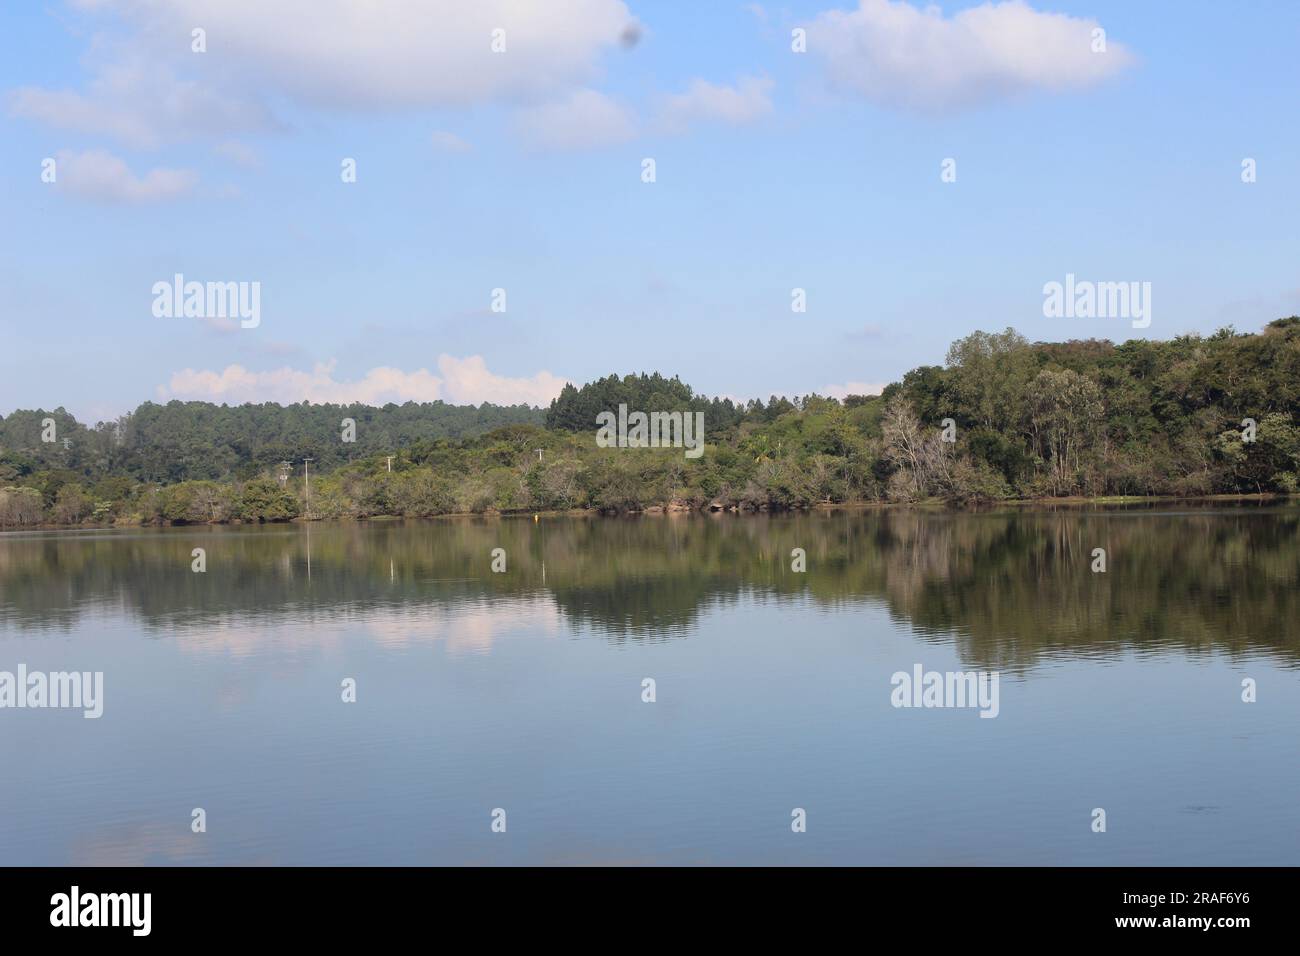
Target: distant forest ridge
182,441
192,440
1002,418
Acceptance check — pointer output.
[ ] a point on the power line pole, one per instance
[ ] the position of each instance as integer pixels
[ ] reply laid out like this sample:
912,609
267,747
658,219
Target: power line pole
390,463
305,486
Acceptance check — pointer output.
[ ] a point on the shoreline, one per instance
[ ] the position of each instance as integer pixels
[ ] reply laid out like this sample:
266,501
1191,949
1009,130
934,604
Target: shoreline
933,505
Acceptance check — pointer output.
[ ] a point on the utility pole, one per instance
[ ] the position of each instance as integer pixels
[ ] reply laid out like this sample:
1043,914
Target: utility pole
390,463
305,486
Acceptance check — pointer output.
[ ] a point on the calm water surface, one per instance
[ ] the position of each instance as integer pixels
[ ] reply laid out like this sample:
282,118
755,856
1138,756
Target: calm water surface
523,691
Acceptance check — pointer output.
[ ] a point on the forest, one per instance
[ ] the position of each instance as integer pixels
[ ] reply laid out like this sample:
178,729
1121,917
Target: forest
1002,419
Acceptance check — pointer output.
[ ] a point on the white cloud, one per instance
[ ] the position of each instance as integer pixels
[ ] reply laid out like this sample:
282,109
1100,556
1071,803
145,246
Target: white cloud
149,88
462,381
445,142
241,154
469,381
139,100
100,176
897,55
65,109
853,388
743,103
582,120
586,118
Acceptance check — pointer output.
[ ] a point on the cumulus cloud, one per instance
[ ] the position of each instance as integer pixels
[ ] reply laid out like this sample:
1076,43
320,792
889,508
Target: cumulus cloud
149,88
445,142
853,388
468,380
745,102
586,118
897,55
100,176
241,154
139,100
461,381
66,109
582,120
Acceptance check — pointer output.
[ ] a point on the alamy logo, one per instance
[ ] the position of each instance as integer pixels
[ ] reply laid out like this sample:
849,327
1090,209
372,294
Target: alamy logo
60,689
923,688
1098,300
653,430
103,909
208,300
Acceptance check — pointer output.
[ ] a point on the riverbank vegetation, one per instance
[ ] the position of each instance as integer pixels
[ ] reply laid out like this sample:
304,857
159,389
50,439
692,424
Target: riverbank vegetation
1026,420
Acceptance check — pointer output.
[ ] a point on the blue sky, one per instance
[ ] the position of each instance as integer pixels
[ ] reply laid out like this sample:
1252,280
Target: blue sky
522,170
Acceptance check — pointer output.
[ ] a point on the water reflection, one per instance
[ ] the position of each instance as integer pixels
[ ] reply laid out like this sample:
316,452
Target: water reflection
523,690
1010,589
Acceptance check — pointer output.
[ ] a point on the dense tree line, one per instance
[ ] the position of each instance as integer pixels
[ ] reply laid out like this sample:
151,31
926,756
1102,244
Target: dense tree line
185,441
1094,418
576,408
1003,418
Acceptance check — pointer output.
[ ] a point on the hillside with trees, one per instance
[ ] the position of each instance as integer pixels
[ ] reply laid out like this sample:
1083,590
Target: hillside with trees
1025,420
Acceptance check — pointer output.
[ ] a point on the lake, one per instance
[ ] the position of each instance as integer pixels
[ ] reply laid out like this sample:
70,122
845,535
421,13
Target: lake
525,690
